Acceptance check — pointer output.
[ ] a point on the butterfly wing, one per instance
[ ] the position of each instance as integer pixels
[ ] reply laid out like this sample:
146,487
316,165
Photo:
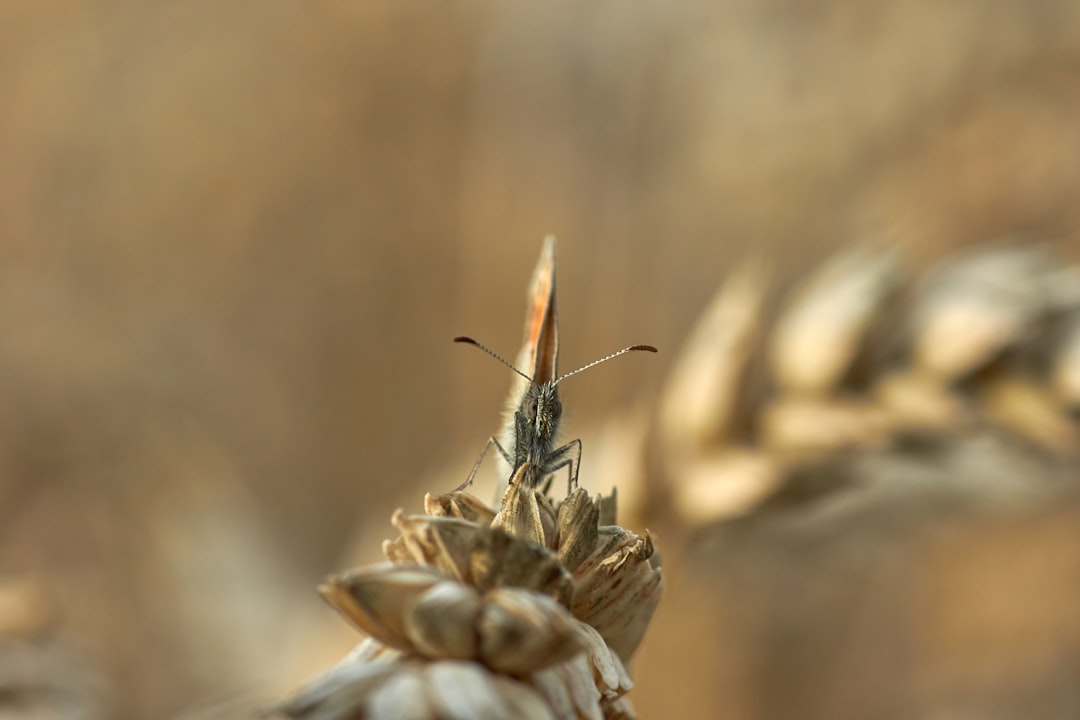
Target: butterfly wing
542,318
540,351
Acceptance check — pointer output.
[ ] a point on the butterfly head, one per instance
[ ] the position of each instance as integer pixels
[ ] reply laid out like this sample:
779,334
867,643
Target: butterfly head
542,408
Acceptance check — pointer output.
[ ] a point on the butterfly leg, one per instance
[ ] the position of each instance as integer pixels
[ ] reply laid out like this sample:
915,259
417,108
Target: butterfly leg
568,456
476,465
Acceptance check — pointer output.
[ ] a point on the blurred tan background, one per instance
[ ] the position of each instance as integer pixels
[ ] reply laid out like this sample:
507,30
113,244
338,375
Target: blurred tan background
238,238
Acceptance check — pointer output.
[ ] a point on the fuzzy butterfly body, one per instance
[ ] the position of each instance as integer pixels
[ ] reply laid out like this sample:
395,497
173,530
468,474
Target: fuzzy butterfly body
534,409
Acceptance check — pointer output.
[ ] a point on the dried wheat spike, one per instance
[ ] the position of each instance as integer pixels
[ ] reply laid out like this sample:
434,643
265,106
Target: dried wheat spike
861,357
533,611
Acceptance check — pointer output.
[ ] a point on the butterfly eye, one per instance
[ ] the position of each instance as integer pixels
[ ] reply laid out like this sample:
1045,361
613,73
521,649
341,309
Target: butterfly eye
556,408
530,407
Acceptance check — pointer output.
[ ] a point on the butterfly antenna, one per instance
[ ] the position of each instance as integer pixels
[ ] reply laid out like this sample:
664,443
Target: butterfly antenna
632,348
498,357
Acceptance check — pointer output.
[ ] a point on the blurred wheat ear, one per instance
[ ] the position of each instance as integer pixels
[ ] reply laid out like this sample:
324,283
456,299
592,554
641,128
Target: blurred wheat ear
533,611
863,358
861,497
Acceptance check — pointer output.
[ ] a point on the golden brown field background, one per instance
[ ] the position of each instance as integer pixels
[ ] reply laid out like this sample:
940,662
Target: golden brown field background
237,239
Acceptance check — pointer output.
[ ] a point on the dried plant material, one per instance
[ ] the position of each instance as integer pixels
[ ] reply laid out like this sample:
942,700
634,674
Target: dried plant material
1032,412
531,614
579,520
343,692
527,515
522,632
607,507
568,693
442,621
504,559
832,391
920,402
701,396
401,694
620,710
460,505
458,691
612,679
371,599
446,543
1066,372
977,307
824,325
725,485
806,427
617,588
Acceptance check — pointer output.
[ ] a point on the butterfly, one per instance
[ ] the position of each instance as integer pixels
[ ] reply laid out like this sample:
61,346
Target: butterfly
534,409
